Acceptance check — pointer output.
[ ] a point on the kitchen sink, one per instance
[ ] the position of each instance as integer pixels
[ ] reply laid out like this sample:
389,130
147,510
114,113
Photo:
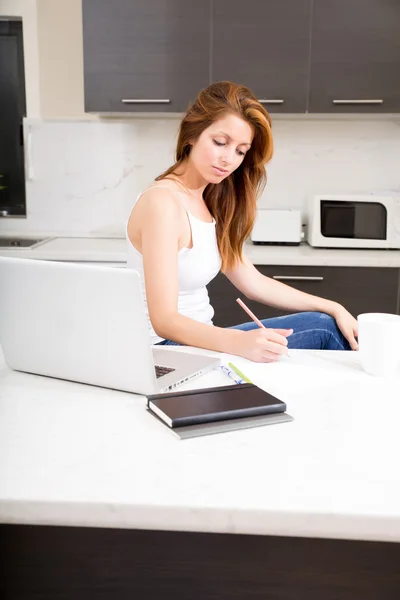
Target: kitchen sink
20,242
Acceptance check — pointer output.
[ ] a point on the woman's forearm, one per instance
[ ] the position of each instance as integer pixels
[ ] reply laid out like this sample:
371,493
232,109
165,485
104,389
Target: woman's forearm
189,332
279,295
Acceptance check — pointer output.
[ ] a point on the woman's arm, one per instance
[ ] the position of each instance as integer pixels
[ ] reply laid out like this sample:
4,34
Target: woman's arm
261,288
274,293
160,218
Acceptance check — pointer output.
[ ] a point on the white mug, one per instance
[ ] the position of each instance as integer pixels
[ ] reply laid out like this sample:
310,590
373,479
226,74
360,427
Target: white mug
379,343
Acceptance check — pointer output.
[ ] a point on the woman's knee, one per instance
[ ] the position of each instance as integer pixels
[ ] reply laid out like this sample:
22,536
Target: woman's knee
320,331
334,339
327,322
318,320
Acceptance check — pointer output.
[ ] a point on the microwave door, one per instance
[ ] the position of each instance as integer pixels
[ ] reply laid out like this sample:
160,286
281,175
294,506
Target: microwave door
337,220
371,222
353,220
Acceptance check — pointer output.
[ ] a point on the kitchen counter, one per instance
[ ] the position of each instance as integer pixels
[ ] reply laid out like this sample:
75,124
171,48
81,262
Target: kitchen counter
307,256
80,249
79,455
113,250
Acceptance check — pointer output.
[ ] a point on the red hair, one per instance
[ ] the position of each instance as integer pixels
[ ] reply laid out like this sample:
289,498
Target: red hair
232,202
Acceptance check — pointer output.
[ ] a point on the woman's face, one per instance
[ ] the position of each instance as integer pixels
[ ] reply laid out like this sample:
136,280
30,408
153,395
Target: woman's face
221,148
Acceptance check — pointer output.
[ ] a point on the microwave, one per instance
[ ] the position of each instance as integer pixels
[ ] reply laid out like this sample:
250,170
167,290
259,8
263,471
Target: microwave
344,221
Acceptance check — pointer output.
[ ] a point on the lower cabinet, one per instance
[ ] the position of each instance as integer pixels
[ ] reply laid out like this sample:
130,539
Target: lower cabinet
359,289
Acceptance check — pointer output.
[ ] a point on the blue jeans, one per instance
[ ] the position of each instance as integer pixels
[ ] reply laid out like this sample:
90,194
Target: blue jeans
311,331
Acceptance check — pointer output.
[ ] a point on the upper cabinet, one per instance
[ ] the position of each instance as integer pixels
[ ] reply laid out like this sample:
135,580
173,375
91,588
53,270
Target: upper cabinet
145,55
355,58
297,56
266,46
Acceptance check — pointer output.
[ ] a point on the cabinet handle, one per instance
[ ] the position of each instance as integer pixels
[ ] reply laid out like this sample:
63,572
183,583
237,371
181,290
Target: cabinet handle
297,278
359,101
146,100
272,101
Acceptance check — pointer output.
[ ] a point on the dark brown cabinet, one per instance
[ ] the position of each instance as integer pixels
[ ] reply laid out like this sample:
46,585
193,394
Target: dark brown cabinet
355,56
297,56
144,55
364,289
266,46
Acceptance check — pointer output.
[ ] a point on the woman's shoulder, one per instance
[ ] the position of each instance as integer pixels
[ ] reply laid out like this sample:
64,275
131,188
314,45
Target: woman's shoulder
159,196
166,186
162,188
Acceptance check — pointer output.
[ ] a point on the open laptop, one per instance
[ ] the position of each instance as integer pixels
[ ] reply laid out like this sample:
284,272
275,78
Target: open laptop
85,323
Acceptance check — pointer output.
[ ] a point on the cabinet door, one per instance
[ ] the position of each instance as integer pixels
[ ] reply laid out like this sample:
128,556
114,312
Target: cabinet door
355,59
366,289
144,55
264,45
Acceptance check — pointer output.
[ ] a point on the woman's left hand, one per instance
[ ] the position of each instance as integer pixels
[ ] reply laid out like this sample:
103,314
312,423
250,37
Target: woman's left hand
347,324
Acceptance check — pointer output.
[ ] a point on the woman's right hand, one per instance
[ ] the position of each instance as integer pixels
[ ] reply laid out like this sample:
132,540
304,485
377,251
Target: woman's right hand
262,345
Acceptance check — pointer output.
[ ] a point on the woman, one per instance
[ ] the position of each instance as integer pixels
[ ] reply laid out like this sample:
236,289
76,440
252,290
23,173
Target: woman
192,222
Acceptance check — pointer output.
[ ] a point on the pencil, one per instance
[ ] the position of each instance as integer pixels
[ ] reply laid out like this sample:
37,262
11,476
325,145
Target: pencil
252,315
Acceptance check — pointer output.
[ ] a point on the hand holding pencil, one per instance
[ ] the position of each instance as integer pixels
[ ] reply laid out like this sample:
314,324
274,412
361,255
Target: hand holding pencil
263,344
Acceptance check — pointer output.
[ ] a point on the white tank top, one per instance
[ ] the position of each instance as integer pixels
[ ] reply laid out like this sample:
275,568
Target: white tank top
197,266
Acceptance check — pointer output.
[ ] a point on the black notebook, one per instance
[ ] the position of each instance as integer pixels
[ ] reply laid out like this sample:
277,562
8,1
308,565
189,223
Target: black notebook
193,407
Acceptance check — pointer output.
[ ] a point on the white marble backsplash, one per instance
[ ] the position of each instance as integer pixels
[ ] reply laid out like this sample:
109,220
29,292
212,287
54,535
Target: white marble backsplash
83,176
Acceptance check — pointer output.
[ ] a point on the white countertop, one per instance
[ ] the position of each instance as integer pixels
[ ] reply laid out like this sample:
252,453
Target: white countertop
79,455
307,256
113,250
82,249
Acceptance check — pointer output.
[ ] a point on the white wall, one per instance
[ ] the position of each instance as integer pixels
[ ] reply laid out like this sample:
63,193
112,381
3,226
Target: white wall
87,174
60,46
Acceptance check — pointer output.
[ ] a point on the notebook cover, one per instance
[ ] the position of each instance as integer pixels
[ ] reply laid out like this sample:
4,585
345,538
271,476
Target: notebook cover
191,431
193,407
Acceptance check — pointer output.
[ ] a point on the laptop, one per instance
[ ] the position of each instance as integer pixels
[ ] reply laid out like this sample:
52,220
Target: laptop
88,324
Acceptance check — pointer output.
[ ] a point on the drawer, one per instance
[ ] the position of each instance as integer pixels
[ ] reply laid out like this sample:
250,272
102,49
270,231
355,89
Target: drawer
359,289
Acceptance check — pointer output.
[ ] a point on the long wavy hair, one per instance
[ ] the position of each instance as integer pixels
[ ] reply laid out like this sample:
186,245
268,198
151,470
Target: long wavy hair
232,202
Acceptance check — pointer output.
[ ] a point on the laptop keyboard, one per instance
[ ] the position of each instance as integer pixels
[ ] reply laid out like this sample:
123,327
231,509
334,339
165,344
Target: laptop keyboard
160,371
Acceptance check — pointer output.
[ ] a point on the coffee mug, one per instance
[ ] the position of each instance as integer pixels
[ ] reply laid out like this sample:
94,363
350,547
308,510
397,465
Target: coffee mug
379,343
